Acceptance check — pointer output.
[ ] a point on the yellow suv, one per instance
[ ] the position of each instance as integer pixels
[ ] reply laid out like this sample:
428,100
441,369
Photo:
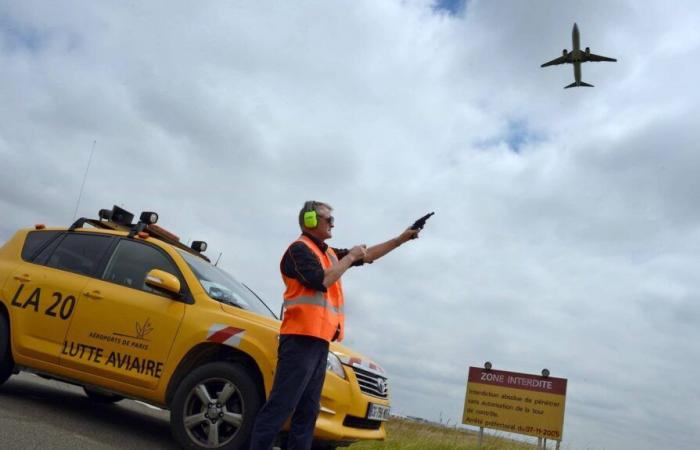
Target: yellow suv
127,310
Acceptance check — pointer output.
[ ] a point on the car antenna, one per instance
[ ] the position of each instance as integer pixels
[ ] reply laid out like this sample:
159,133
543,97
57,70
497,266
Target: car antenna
217,259
87,169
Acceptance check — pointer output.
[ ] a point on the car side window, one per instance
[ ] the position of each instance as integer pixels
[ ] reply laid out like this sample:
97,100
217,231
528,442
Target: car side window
35,241
131,262
78,252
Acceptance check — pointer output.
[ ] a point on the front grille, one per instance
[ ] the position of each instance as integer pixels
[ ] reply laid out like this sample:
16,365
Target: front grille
371,383
361,422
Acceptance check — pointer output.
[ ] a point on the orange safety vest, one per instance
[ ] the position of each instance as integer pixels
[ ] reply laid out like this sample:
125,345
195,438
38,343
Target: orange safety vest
311,312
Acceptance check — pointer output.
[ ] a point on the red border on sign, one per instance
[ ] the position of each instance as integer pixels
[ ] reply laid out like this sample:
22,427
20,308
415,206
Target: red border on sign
517,380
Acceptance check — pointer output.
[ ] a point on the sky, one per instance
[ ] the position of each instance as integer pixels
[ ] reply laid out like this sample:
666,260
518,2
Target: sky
566,231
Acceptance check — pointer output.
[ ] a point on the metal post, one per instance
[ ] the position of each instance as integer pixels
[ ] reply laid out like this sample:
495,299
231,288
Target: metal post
544,445
558,442
539,443
481,438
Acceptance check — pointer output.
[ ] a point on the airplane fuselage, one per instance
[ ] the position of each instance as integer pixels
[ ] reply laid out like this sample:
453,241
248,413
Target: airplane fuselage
576,41
576,53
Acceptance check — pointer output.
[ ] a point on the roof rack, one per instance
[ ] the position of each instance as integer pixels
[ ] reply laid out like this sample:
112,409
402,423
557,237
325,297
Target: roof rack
120,219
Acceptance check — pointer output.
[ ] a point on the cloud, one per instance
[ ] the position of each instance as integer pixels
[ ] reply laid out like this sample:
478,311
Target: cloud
565,233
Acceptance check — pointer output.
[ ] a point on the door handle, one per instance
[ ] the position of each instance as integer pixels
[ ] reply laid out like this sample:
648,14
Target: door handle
24,278
97,295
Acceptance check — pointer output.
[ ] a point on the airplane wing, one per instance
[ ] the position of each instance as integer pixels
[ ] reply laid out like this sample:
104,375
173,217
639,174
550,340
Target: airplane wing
555,61
597,58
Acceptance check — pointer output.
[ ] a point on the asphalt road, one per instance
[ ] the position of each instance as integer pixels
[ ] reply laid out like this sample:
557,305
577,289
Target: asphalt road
44,414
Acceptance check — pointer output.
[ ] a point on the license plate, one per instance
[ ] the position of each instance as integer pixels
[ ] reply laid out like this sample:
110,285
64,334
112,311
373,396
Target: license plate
378,412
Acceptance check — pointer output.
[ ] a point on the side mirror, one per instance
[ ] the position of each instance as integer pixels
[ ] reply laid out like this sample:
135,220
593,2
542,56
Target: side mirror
164,281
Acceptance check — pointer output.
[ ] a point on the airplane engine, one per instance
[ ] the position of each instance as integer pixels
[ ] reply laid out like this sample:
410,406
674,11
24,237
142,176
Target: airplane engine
564,53
588,51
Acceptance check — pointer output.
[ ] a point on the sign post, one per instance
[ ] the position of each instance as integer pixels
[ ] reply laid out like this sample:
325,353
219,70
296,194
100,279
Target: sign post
515,402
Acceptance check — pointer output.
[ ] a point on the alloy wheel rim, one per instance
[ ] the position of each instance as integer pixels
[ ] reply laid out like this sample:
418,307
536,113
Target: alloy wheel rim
214,411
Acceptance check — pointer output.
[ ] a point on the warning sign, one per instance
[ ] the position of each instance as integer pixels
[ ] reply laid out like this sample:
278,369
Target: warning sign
515,402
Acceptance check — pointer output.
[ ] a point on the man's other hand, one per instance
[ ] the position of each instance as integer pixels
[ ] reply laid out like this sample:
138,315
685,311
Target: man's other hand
358,252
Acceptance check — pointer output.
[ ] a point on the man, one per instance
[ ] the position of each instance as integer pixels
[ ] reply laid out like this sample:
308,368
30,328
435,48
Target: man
313,317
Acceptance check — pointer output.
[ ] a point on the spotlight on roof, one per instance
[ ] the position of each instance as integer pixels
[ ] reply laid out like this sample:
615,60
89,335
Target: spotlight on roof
105,214
148,217
199,246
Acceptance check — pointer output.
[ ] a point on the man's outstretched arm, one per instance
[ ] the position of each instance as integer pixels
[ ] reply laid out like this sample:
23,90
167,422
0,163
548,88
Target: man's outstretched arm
377,251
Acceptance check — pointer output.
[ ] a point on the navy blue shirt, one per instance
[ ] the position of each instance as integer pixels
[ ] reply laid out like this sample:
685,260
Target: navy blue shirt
301,263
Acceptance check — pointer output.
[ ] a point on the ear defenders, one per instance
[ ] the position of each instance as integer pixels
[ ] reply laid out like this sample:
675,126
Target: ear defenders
310,217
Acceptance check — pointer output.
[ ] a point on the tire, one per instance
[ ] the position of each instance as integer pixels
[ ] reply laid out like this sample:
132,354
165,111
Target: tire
102,397
7,364
215,407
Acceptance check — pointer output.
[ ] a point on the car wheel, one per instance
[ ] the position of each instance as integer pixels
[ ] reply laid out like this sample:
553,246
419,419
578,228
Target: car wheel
6,362
102,397
215,407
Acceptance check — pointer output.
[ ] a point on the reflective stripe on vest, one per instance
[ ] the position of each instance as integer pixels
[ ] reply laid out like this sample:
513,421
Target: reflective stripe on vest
318,300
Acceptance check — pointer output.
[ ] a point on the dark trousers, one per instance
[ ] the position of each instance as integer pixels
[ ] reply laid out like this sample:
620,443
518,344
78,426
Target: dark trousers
301,369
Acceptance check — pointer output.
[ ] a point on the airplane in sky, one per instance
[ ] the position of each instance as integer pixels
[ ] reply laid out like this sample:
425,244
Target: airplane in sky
576,57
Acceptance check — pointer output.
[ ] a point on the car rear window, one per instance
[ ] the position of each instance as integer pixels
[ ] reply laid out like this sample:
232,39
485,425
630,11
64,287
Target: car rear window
35,241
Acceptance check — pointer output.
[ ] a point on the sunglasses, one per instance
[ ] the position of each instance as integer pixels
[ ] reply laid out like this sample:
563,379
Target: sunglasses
329,219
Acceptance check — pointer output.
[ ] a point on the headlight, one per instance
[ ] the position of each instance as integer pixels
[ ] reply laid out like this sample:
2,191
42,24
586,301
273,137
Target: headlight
334,365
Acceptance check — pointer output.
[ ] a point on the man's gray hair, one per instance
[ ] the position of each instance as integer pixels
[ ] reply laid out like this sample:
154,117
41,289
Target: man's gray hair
311,204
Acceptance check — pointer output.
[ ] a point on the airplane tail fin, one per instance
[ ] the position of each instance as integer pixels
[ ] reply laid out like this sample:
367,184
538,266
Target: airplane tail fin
580,83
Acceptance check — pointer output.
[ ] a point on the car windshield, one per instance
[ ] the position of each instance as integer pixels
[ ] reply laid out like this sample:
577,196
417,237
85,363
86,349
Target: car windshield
222,287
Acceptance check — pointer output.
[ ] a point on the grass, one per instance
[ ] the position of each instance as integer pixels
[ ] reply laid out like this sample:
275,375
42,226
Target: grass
411,435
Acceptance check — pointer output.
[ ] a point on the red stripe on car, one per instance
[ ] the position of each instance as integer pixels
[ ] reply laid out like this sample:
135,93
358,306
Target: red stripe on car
223,334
